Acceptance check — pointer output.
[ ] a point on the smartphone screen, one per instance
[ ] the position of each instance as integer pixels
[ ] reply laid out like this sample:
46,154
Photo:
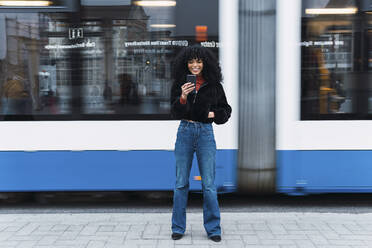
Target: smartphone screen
191,78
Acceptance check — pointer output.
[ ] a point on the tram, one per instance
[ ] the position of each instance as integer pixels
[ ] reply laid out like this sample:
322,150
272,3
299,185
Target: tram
85,88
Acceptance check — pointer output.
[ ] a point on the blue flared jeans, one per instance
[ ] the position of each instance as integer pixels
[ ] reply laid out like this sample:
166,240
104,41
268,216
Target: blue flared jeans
196,137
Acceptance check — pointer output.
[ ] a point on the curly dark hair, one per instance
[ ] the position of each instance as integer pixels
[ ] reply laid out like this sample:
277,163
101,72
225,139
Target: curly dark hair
211,67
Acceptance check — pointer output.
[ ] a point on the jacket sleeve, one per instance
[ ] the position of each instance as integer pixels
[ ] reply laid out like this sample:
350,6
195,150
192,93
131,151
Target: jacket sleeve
222,112
178,110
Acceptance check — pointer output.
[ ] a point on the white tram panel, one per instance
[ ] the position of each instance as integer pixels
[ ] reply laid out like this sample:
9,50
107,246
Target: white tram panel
293,134
132,135
229,59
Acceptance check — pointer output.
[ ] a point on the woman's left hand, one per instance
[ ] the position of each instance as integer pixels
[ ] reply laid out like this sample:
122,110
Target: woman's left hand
211,115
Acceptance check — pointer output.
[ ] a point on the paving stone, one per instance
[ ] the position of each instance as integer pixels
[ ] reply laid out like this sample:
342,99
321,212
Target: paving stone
27,229
241,227
47,240
277,228
251,240
89,230
318,239
71,242
234,243
76,228
96,244
304,244
122,227
263,246
277,242
25,238
166,244
137,243
265,234
9,243
115,240
5,235
191,246
26,244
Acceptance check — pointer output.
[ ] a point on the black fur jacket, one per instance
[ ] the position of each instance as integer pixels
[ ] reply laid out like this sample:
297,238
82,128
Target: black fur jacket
210,97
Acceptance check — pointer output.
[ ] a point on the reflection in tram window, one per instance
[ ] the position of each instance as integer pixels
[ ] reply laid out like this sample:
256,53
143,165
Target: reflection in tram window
336,78
128,71
133,52
32,77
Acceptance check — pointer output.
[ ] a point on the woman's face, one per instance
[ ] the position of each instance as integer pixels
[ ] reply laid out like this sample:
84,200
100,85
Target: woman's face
195,66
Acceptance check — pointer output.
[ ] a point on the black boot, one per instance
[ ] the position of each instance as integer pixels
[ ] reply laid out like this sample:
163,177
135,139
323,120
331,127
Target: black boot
216,238
176,236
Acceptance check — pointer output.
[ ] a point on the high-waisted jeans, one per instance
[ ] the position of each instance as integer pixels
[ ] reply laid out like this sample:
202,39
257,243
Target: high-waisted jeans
196,137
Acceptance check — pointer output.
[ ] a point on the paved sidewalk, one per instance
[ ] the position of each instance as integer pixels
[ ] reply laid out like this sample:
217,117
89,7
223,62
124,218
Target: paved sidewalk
130,230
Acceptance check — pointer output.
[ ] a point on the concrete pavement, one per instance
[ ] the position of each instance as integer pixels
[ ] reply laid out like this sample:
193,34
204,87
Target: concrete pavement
122,230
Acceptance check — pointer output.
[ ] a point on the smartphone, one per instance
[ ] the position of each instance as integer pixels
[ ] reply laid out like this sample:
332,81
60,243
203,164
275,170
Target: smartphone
191,78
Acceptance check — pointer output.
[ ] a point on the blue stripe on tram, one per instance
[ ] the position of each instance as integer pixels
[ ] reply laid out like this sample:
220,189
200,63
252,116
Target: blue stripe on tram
104,170
306,172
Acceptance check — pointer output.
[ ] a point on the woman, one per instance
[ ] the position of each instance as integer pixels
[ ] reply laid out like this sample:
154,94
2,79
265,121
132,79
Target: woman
197,110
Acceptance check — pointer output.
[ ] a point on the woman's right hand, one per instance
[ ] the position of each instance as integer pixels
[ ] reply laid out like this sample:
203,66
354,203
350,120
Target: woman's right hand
186,89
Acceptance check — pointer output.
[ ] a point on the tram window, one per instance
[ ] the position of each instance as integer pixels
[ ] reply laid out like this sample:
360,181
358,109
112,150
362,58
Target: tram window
336,71
135,43
34,80
112,62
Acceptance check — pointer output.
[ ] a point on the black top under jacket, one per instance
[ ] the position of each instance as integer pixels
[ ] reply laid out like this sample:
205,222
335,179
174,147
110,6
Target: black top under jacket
210,97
